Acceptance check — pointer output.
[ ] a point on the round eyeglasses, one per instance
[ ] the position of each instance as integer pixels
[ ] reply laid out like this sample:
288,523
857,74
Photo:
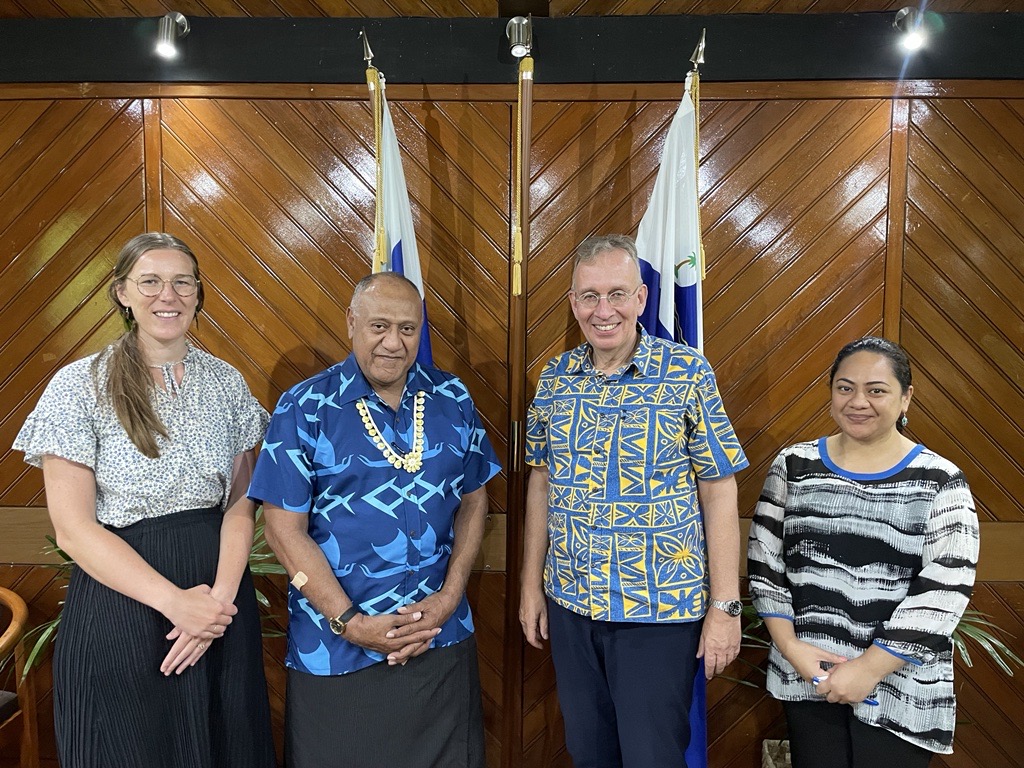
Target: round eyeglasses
151,285
590,300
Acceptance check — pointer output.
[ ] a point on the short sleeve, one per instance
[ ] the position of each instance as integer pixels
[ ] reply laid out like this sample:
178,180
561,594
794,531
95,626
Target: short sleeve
249,417
283,475
537,418
63,421
713,446
480,462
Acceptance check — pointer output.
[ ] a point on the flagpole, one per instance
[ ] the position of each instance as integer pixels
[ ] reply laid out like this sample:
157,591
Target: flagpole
521,198
517,372
375,83
696,60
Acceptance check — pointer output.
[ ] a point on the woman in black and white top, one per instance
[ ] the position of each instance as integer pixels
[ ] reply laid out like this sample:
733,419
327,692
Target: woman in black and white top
147,450
862,555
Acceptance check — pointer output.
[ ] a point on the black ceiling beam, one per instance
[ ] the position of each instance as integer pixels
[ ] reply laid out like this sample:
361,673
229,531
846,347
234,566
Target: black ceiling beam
647,49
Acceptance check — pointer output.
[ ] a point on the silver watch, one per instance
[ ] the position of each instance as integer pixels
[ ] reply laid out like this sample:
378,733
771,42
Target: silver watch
732,607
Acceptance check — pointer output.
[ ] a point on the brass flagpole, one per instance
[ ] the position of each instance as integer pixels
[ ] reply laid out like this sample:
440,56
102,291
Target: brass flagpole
520,35
375,82
694,83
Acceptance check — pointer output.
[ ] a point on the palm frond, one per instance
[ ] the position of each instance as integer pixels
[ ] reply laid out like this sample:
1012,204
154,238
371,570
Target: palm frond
262,562
977,627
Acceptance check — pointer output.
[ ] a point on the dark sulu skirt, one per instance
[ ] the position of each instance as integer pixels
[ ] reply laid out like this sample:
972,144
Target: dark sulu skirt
113,708
426,714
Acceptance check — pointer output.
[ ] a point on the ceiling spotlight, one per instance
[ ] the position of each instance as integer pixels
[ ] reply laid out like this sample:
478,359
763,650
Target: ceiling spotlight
172,26
520,36
909,21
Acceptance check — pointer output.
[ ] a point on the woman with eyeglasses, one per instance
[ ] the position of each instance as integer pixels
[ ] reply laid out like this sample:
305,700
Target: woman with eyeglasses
861,561
147,449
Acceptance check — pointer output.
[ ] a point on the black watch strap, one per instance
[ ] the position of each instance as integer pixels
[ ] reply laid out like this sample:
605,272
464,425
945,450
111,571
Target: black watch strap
347,616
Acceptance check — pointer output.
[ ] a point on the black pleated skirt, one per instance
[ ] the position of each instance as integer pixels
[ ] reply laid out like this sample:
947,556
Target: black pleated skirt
113,708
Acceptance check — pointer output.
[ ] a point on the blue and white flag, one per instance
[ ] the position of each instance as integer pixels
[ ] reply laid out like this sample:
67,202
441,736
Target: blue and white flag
669,248
669,238
402,256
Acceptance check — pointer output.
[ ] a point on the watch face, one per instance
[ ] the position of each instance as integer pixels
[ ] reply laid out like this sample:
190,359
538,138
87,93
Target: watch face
337,625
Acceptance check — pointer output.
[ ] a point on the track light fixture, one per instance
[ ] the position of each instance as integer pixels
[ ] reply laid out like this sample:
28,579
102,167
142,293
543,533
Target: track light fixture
520,36
172,26
909,21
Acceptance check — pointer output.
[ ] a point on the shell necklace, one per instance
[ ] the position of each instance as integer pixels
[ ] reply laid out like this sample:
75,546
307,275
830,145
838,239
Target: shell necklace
411,461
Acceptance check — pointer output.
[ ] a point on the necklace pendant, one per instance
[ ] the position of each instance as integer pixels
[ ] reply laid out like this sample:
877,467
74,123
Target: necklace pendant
414,459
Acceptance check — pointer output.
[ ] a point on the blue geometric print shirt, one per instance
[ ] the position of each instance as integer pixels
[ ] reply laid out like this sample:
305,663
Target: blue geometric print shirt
623,453
386,532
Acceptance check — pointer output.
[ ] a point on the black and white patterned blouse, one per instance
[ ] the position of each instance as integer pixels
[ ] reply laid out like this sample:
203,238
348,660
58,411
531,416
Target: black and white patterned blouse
210,418
856,559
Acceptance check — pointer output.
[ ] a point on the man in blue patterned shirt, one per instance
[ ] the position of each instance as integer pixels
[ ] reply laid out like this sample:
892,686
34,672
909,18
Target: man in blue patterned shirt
372,480
632,529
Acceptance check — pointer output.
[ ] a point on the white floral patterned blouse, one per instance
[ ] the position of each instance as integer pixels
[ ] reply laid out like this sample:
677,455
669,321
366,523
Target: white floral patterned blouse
210,418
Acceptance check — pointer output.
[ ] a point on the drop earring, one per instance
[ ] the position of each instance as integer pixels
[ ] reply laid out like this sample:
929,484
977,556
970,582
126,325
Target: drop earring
903,420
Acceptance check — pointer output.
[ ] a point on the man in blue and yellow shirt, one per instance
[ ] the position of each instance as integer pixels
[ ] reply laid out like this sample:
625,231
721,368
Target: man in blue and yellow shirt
631,543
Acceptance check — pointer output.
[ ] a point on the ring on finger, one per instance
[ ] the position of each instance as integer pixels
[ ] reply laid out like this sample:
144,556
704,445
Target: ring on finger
201,646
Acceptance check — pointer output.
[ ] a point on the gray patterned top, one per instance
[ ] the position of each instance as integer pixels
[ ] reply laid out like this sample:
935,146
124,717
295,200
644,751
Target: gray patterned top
854,560
210,418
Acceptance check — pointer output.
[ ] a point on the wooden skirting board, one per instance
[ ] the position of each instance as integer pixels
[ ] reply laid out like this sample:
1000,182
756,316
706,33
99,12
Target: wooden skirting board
23,532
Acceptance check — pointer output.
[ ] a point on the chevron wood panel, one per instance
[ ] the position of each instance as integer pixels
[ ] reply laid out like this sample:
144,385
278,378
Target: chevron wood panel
962,319
594,165
71,193
258,8
486,593
276,196
794,203
279,196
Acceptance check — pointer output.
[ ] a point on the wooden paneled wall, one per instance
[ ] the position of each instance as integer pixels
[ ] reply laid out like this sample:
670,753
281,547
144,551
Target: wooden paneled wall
830,210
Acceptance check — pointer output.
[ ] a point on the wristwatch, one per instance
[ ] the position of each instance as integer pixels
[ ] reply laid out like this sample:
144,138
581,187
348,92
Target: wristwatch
732,607
339,624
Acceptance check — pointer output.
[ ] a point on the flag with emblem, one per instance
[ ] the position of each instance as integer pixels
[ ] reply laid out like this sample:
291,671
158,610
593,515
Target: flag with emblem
669,244
671,264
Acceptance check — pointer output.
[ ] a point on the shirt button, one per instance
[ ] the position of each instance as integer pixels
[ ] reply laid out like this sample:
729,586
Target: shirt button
412,534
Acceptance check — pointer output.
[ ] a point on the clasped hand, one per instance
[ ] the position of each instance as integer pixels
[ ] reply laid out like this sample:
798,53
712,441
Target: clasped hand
847,683
403,635
199,618
841,680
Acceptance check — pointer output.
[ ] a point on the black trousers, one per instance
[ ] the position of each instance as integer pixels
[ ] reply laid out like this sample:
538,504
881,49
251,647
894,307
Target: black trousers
624,688
823,735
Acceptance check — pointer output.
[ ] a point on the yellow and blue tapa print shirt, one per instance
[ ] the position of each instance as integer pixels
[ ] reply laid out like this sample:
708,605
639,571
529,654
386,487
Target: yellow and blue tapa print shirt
623,452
